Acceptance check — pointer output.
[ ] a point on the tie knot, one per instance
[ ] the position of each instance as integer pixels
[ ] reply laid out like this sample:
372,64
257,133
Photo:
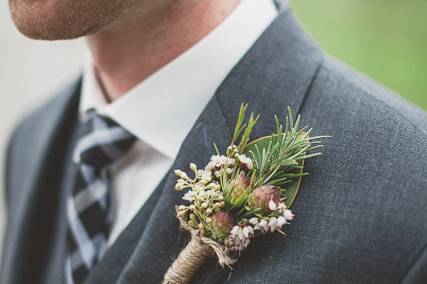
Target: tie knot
103,142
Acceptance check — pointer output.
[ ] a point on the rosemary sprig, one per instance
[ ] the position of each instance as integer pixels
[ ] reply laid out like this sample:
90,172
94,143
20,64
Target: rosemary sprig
280,160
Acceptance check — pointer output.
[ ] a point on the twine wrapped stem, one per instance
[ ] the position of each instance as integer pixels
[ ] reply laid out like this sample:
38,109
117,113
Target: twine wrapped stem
188,262
193,256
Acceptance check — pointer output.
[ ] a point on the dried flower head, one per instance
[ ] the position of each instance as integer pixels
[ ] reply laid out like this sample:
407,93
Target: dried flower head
222,222
266,198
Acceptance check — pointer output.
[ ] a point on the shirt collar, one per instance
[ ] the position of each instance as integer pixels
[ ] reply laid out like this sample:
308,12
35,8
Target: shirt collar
163,108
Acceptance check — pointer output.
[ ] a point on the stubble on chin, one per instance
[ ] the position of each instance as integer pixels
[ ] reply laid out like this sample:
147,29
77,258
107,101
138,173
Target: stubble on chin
63,19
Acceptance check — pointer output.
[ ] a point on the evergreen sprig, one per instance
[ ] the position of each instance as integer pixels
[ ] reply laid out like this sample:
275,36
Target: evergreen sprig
281,160
246,128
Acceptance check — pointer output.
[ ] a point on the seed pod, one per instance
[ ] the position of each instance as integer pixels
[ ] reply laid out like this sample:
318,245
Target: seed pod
261,196
222,222
240,184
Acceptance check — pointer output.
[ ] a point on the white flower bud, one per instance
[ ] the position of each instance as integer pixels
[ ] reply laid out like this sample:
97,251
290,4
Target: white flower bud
193,167
181,174
211,186
253,220
272,224
272,205
178,186
246,232
281,221
288,214
263,224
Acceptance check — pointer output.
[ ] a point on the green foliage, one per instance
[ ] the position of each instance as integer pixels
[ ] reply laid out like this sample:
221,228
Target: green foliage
385,39
245,127
281,160
277,159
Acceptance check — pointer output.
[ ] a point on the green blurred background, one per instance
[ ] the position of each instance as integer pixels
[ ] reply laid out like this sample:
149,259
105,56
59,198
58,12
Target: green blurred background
385,39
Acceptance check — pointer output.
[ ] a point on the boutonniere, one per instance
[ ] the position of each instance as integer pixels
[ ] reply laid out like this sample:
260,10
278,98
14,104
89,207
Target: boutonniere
241,194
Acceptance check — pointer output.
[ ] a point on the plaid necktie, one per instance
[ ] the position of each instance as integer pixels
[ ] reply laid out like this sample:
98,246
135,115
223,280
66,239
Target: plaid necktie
88,214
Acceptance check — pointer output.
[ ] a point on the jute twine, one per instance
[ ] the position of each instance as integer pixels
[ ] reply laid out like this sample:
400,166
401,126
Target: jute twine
193,256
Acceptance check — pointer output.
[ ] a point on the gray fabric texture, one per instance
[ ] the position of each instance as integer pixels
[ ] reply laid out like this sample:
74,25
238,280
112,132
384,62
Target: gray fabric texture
360,215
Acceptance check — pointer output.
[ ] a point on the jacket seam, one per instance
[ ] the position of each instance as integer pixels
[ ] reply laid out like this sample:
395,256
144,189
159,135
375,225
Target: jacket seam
311,84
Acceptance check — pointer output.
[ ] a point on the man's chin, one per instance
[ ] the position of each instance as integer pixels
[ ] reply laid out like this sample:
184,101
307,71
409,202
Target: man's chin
53,20
41,31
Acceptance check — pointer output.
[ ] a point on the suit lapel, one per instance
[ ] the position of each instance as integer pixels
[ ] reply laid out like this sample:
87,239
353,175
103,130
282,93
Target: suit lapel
161,239
276,72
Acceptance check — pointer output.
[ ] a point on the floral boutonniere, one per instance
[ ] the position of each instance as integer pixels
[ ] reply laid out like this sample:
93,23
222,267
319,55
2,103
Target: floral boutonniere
241,195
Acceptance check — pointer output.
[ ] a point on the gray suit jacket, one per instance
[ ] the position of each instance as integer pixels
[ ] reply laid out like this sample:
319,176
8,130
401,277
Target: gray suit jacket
360,216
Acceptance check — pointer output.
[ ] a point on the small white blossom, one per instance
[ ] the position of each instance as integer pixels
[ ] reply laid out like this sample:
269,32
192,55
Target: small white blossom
217,162
239,238
199,187
189,196
272,205
235,230
262,226
281,221
247,231
288,214
272,224
245,161
206,175
253,220
281,206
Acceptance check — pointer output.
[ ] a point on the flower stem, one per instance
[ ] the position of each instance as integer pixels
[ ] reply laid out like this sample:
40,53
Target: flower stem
188,262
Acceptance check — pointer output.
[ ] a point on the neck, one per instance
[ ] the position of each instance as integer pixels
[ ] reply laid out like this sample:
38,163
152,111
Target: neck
146,38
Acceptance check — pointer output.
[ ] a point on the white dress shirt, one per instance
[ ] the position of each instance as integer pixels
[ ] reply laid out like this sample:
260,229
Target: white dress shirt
161,110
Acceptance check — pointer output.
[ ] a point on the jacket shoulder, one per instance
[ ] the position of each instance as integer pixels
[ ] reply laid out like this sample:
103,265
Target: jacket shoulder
358,90
373,124
43,112
30,134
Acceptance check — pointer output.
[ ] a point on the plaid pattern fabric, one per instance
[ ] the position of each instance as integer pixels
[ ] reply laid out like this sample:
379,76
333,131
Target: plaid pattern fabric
88,214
